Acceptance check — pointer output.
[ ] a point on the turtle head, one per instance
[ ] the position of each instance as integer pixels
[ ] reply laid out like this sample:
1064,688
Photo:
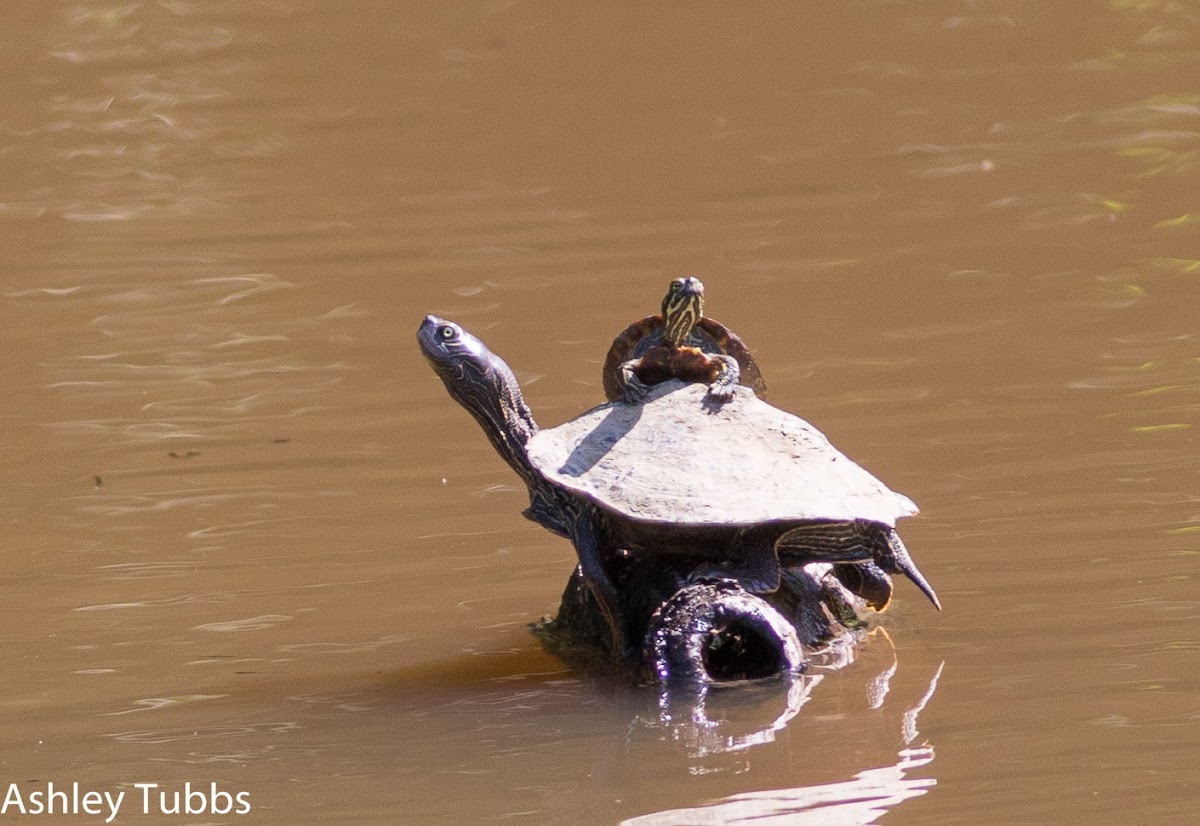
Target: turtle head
682,308
481,382
459,359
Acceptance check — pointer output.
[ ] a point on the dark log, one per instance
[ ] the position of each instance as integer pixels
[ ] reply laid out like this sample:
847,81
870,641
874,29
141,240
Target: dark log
706,632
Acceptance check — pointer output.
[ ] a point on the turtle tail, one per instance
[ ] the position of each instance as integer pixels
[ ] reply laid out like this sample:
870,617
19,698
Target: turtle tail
902,562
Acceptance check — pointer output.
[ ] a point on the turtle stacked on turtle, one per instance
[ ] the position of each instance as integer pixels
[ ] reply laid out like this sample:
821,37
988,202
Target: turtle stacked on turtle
741,490
683,343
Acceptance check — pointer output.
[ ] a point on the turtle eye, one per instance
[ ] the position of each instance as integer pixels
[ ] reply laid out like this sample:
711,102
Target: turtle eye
446,332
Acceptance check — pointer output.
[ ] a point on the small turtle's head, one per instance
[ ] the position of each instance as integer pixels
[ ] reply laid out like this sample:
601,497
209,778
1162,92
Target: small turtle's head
682,308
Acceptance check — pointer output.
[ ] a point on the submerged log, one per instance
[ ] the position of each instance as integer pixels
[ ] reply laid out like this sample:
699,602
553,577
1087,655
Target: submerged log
717,631
707,632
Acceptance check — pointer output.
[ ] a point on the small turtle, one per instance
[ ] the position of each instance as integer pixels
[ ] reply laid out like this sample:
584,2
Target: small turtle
740,489
681,343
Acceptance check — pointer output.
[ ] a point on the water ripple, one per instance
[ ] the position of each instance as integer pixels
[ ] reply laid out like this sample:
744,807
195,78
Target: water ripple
145,736
158,703
259,623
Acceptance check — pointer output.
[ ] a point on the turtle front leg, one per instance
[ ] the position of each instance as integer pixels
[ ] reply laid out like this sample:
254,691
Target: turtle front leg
633,389
726,381
586,538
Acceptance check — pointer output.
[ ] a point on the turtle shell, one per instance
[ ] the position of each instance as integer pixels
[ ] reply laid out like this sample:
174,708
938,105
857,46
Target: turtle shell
708,335
675,460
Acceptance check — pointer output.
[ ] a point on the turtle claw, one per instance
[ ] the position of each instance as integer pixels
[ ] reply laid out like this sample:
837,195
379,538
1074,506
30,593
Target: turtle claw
721,393
634,391
726,383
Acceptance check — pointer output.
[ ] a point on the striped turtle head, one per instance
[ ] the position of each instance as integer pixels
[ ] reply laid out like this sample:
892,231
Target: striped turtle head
682,308
481,382
460,359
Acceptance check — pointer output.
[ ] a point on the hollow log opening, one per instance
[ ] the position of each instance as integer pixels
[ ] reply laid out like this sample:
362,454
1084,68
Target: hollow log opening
739,650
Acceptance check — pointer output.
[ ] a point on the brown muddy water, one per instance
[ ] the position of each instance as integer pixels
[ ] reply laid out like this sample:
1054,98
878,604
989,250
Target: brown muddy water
249,540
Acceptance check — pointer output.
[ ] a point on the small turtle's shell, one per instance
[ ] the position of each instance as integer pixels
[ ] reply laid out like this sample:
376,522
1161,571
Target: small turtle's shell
676,461
708,335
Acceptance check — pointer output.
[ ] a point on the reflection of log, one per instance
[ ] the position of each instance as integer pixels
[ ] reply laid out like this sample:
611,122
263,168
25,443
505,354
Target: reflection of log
706,632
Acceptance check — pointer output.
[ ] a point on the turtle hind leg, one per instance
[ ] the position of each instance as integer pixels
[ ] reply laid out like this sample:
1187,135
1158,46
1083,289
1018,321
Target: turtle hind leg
849,549
894,557
838,542
853,541
866,580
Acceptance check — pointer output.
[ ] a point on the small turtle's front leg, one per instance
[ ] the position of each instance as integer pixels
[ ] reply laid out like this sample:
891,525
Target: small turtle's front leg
586,538
726,381
633,389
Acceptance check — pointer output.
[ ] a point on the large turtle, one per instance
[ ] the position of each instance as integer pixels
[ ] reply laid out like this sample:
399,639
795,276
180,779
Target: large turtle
681,343
741,488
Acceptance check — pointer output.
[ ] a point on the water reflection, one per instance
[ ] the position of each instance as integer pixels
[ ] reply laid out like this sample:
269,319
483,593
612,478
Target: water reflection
689,721
686,710
862,799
